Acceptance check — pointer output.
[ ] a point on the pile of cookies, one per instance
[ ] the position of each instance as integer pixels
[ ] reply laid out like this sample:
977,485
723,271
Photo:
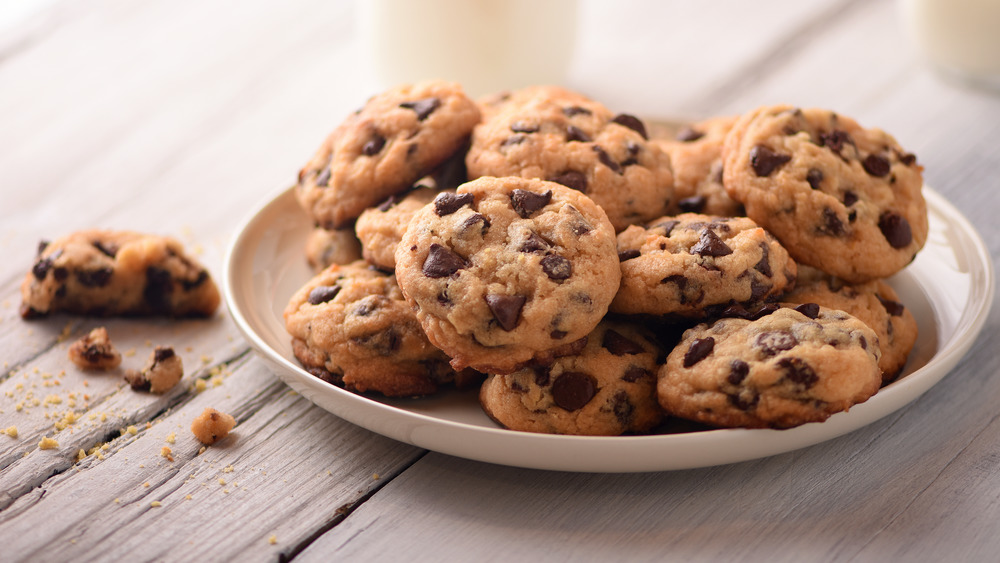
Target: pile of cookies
594,279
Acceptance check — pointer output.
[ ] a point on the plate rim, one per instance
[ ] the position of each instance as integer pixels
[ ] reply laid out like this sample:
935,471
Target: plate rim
424,428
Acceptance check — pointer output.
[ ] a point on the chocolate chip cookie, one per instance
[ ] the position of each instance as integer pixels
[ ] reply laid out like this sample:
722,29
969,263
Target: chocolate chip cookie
325,247
875,303
790,367
839,197
396,138
508,270
608,388
351,327
694,265
105,273
696,159
557,135
381,228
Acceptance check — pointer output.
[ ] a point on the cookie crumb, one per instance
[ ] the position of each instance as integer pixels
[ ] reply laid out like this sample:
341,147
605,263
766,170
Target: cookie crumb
273,539
48,444
131,430
211,426
155,504
171,438
95,351
162,371
11,431
166,452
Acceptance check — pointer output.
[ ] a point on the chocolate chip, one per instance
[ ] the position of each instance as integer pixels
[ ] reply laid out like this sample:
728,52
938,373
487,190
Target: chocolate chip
698,351
542,375
388,203
677,279
876,165
201,278
159,286
441,262
512,140
896,229
636,373
572,390
894,308
108,250
575,110
815,178
322,294
688,135
850,198
475,219
764,161
572,179
632,122
835,140
323,180
623,408
42,245
558,334
41,268
738,311
162,353
606,160
59,273
667,226
832,225
798,371
693,204
423,107
447,203
384,343
374,146
618,345
624,255
907,158
94,278
368,305
810,310
574,133
774,341
526,203
710,245
534,244
738,371
506,309
556,267
764,264
759,289
524,127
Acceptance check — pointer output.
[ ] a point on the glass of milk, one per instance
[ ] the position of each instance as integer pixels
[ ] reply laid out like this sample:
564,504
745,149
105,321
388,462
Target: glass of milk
959,37
486,45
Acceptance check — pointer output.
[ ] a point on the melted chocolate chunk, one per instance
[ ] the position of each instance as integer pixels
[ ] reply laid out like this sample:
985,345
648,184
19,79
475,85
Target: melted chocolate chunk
162,353
447,203
512,140
628,255
850,198
374,146
698,351
835,140
423,107
677,279
894,308
632,122
606,160
41,268
108,250
556,267
475,219
441,262
738,311
693,204
667,226
575,110
322,294
558,334
815,178
896,229
94,278
710,245
688,135
574,133
572,390
738,371
876,165
832,225
524,127
810,310
534,244
758,289
764,264
618,345
159,286
765,161
907,158
572,179
623,408
798,371
506,309
775,341
636,373
526,203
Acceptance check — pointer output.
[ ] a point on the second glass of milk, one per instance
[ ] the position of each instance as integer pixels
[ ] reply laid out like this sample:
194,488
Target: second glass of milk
486,45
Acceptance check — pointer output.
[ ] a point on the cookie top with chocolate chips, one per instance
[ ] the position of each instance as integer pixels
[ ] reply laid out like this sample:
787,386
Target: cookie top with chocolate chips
107,273
696,159
324,247
508,270
786,368
607,388
350,326
842,198
875,303
382,149
693,265
557,135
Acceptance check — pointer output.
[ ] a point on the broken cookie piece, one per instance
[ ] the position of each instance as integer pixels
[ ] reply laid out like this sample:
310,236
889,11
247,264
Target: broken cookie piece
163,370
108,273
211,426
95,351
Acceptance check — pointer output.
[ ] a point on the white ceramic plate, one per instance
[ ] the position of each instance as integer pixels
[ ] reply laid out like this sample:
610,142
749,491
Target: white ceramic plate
949,288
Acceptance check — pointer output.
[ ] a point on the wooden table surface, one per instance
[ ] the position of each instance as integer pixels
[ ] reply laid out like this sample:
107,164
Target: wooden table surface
181,117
